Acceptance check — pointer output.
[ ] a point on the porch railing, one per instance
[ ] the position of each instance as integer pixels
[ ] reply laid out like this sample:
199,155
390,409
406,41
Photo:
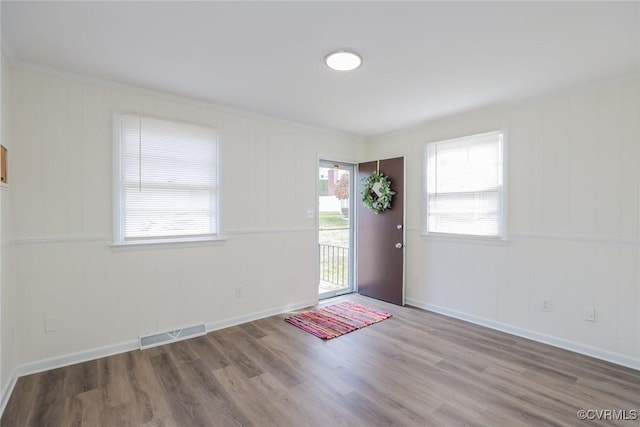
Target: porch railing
334,265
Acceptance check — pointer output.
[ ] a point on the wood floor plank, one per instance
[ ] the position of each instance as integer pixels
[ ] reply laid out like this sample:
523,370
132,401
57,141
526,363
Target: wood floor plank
84,409
224,340
50,399
257,408
286,400
217,402
268,361
151,403
185,407
115,386
414,369
22,400
80,378
208,352
318,367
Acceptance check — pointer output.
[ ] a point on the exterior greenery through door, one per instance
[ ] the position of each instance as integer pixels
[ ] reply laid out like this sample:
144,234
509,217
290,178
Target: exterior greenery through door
334,229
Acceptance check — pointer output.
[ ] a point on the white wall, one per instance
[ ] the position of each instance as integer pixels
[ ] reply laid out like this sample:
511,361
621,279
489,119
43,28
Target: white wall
7,301
573,196
574,162
2,127
61,206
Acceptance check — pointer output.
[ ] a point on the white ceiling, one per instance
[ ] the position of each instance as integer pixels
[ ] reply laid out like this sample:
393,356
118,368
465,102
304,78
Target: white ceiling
422,60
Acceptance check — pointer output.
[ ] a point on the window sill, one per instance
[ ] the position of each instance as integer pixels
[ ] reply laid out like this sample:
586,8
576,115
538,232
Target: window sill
465,238
167,243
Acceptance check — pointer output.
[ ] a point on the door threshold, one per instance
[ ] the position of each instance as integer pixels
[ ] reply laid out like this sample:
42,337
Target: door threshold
333,298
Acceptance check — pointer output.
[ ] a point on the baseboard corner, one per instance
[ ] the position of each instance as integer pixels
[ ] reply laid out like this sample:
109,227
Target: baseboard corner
7,390
576,347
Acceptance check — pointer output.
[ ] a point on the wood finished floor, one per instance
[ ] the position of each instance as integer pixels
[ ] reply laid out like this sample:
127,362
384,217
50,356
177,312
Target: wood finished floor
415,369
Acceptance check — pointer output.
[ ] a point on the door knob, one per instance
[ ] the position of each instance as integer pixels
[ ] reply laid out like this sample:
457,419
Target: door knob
398,245
399,226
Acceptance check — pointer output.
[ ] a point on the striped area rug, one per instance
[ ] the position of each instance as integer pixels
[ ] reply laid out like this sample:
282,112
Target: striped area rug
337,319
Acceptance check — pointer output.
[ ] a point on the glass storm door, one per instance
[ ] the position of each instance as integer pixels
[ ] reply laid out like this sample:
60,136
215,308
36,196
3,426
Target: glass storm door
335,233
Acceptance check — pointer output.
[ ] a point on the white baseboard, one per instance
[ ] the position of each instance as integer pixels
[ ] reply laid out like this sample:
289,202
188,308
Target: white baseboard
61,361
123,347
576,347
79,357
221,324
7,390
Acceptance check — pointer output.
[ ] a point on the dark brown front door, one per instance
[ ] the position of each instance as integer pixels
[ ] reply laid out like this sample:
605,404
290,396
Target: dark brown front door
381,237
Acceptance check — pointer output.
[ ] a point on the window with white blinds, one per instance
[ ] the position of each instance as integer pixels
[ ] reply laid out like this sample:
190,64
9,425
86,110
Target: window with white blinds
167,180
464,188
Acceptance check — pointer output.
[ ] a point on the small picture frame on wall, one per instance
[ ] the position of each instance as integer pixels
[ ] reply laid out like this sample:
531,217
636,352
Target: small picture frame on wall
3,164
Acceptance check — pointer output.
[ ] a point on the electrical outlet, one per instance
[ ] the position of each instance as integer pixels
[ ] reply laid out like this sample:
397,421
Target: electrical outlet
590,314
545,304
239,291
50,325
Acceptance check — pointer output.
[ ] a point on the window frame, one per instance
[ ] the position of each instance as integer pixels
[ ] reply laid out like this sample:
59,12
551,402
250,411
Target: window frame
119,240
502,235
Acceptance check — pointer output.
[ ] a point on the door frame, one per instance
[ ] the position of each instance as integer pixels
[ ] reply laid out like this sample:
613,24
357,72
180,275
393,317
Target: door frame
353,189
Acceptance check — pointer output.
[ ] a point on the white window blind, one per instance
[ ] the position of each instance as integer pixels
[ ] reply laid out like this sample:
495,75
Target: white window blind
464,190
167,180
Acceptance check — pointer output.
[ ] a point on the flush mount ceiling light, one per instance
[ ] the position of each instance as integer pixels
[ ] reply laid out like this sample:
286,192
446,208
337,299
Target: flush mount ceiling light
343,60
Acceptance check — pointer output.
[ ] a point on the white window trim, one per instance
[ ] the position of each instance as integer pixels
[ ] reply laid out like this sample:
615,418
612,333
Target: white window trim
502,237
161,242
